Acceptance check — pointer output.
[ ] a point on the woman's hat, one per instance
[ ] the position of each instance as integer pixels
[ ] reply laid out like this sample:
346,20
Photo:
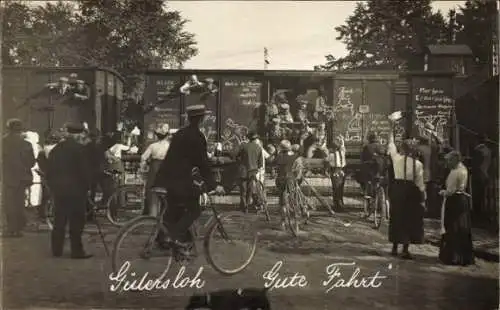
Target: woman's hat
196,110
285,145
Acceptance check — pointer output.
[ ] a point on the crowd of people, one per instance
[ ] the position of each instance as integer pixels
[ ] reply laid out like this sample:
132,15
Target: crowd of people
75,161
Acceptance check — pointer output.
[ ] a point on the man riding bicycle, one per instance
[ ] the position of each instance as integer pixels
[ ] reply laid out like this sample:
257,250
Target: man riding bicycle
373,159
188,151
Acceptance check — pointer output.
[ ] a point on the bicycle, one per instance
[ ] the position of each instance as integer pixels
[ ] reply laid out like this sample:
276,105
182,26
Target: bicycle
217,227
376,204
258,187
123,205
295,207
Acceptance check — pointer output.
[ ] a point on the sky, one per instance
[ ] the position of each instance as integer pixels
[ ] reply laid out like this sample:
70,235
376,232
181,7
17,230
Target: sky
297,34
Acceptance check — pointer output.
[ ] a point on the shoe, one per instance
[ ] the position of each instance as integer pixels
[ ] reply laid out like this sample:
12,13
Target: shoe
82,256
406,255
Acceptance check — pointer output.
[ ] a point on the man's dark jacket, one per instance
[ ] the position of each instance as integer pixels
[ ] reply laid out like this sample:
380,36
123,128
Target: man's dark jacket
250,158
188,149
68,169
17,161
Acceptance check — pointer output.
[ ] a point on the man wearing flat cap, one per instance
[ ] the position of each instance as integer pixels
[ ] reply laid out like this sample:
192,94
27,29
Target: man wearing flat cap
250,160
17,159
187,151
69,178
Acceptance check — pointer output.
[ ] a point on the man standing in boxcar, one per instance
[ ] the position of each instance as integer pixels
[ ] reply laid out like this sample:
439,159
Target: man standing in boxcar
17,159
69,177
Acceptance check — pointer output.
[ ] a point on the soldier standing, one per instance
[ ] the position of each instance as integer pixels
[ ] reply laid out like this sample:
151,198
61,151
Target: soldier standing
69,178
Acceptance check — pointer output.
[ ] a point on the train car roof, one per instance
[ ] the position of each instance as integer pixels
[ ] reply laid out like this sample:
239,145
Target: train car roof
55,69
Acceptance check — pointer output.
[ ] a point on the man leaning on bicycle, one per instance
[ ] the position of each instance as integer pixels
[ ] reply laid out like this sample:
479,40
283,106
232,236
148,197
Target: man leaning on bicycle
374,163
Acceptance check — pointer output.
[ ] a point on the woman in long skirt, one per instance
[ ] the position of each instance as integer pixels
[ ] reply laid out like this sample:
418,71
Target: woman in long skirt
456,244
406,197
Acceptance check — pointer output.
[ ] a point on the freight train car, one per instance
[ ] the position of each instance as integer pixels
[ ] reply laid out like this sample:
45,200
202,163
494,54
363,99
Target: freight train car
356,102
46,98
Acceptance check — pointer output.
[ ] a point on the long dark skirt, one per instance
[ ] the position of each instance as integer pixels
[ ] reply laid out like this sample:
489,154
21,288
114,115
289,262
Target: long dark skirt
456,244
406,224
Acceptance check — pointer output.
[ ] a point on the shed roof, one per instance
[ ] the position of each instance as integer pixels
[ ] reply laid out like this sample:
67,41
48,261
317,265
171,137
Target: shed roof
456,49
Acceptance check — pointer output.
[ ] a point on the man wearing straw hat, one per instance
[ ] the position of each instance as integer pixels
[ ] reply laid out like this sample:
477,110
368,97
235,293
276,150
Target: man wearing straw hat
187,151
17,161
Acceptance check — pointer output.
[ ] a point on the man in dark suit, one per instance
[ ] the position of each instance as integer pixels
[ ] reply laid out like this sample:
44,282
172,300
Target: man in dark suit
17,159
188,150
250,159
69,178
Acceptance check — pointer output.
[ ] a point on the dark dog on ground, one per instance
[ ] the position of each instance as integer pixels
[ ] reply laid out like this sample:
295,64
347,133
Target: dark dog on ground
240,299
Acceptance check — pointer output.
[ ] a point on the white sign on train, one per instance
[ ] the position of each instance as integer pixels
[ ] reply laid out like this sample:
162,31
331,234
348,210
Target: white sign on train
364,109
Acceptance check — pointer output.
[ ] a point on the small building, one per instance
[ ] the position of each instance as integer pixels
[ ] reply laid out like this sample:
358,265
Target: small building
456,58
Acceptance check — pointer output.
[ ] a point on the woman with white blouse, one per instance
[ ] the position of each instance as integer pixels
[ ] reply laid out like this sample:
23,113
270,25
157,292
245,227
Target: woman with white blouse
456,244
406,197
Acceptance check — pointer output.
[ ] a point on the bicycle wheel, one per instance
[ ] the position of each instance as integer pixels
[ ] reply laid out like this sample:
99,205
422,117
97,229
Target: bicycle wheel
230,243
125,204
261,190
379,207
135,248
292,215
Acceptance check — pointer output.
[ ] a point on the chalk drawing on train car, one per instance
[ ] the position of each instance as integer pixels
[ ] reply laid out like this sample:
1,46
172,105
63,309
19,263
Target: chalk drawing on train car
440,123
344,103
209,127
354,129
233,135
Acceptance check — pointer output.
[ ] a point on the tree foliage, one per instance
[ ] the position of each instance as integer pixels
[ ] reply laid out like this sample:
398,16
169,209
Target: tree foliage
475,26
384,34
129,36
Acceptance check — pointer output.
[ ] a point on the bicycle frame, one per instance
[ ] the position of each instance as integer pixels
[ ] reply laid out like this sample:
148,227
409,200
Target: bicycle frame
214,216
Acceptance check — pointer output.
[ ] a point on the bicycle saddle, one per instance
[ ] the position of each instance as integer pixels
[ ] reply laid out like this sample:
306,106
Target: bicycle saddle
159,190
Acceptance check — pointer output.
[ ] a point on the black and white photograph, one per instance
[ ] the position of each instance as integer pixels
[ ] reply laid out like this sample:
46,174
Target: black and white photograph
249,155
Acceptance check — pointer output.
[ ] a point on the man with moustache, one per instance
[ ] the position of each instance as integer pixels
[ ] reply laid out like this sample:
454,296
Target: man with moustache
187,151
69,178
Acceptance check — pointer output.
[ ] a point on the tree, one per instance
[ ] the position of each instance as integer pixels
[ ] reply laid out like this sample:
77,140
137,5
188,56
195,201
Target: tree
385,34
475,27
129,36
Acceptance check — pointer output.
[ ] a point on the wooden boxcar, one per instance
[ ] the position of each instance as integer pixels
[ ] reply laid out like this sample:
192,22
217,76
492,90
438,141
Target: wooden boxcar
25,96
360,100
